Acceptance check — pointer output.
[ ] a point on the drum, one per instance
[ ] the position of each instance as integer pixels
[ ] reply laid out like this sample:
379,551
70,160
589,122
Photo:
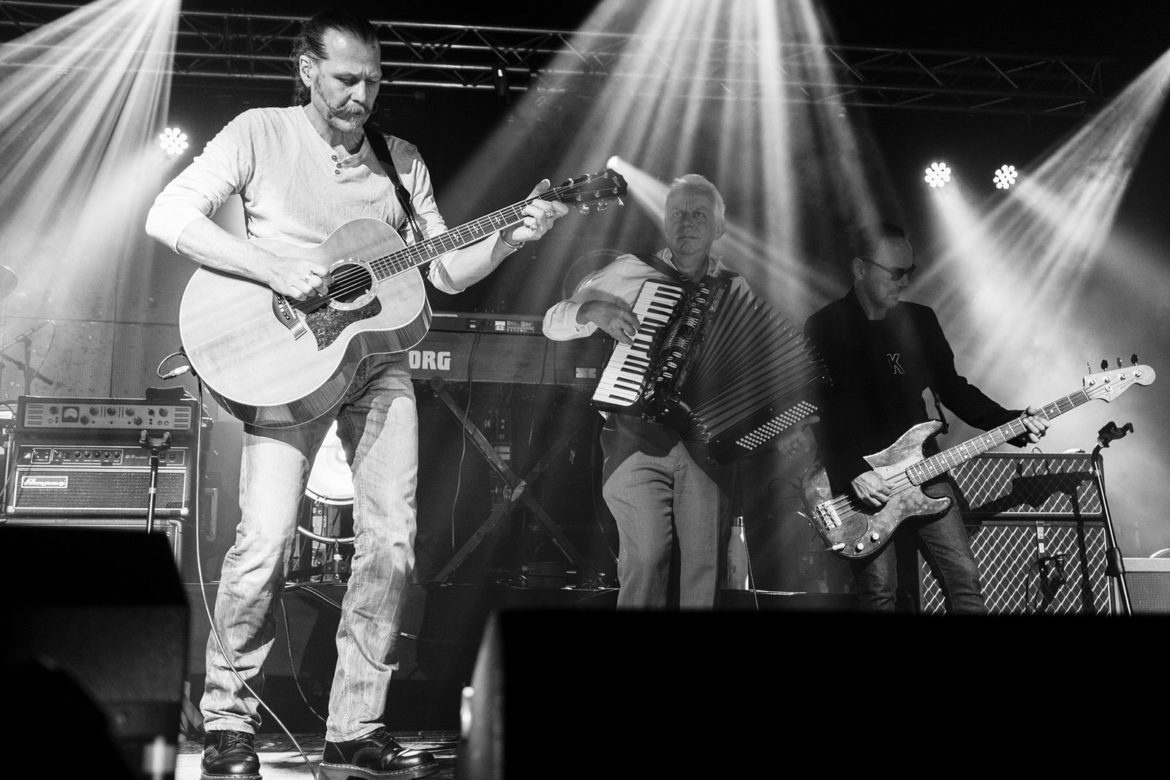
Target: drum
330,480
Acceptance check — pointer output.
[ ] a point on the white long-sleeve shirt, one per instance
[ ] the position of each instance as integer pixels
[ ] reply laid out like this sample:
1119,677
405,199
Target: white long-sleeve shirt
618,282
296,188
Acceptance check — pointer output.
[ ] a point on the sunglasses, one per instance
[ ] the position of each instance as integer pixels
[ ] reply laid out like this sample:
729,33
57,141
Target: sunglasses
896,274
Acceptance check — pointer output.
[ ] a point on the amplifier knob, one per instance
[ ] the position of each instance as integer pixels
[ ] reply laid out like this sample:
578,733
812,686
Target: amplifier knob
111,411
84,420
137,420
162,412
94,411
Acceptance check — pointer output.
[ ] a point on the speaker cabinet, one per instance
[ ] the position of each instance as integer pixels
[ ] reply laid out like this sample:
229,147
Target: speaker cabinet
1036,525
1148,583
1037,567
104,609
170,528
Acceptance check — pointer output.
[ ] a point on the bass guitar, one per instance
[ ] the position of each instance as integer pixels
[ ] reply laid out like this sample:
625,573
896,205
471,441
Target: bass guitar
855,530
276,362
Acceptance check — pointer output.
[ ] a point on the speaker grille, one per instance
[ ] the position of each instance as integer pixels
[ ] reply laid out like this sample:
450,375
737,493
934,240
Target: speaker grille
113,492
1148,583
1014,485
1008,558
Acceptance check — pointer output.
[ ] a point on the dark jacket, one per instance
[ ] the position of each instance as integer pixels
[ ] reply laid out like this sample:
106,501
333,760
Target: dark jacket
879,370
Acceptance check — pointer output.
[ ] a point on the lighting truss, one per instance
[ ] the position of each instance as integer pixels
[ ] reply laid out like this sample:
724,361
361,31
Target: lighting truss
253,48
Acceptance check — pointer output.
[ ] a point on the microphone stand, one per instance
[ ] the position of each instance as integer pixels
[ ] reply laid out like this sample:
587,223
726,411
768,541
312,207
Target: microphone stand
1114,563
27,371
156,444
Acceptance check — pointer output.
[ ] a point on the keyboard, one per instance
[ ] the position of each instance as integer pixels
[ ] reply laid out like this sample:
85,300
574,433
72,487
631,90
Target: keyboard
624,375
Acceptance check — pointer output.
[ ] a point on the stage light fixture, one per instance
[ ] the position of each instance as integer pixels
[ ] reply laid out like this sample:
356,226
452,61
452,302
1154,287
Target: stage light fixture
938,174
1005,176
173,141
500,77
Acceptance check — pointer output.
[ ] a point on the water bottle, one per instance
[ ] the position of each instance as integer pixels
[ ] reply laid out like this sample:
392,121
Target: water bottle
738,571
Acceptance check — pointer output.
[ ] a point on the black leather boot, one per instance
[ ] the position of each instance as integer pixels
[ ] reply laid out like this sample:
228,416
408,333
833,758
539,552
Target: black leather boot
229,755
376,756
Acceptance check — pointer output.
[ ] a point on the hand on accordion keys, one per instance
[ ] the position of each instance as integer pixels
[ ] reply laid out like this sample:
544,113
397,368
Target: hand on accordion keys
616,319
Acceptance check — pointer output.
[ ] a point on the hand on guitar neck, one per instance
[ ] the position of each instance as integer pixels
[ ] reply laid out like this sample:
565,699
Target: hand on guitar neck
870,488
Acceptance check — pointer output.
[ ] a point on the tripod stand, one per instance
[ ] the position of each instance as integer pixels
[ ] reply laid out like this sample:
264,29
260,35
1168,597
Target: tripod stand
1114,563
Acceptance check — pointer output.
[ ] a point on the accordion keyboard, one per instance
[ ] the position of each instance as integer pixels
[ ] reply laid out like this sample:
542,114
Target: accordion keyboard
625,374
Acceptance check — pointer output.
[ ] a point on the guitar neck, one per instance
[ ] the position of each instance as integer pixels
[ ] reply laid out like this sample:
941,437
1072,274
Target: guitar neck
961,453
425,251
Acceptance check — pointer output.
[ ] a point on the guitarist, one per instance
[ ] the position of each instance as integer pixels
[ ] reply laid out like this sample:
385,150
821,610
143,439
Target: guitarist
302,172
882,354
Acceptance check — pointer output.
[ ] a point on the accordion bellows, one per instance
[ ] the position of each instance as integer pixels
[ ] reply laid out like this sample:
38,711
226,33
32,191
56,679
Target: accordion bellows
716,364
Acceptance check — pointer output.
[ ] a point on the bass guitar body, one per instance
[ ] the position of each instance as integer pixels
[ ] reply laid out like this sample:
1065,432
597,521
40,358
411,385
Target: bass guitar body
856,530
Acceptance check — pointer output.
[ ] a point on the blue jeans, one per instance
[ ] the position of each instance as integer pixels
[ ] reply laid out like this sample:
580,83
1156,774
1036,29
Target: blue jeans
947,550
656,501
378,427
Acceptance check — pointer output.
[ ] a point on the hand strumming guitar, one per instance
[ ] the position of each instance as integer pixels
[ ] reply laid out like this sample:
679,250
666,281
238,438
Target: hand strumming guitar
295,277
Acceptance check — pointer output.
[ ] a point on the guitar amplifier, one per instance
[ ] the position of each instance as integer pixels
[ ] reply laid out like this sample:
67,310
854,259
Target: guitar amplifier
1036,525
91,457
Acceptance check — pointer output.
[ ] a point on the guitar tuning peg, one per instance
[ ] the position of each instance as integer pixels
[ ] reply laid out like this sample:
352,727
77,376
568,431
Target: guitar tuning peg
621,202
583,208
1104,365
603,205
1119,362
1133,360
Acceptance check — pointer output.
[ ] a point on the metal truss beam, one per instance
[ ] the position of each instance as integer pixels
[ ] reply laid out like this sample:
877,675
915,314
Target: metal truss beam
435,56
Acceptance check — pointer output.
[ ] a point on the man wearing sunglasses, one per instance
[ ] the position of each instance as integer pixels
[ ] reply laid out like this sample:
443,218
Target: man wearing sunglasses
882,354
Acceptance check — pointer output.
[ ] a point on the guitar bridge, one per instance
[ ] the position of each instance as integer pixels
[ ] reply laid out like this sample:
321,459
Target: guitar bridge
287,316
826,515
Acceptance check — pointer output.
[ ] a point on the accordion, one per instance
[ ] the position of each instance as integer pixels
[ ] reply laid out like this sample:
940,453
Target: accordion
714,363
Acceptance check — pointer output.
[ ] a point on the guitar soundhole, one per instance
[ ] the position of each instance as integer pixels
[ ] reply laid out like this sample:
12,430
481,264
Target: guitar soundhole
350,282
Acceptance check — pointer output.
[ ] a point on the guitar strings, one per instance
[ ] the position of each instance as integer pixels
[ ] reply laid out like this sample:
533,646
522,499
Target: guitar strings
349,287
898,484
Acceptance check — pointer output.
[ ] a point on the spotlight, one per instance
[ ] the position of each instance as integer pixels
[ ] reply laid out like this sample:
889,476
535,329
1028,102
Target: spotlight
500,77
173,141
614,163
1005,176
938,174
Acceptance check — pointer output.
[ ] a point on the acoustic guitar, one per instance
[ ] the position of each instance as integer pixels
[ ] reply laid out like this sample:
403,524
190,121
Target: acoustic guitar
276,362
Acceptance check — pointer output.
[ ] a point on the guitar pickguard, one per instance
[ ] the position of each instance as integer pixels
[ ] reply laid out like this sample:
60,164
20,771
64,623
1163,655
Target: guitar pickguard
327,323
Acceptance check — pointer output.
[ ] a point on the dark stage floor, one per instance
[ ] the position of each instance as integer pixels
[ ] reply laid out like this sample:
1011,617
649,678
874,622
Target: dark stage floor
282,759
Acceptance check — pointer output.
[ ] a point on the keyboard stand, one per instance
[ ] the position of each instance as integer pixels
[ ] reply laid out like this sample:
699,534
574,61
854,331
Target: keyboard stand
517,491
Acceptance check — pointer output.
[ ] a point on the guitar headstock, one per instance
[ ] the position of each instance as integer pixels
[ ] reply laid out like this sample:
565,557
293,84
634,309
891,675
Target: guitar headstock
599,188
1107,385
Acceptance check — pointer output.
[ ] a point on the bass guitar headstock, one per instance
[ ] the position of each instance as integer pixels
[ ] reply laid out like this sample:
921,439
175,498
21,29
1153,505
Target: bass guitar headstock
1108,384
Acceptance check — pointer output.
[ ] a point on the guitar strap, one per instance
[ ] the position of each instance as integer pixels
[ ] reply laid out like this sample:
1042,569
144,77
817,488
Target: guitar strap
942,417
658,264
382,152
